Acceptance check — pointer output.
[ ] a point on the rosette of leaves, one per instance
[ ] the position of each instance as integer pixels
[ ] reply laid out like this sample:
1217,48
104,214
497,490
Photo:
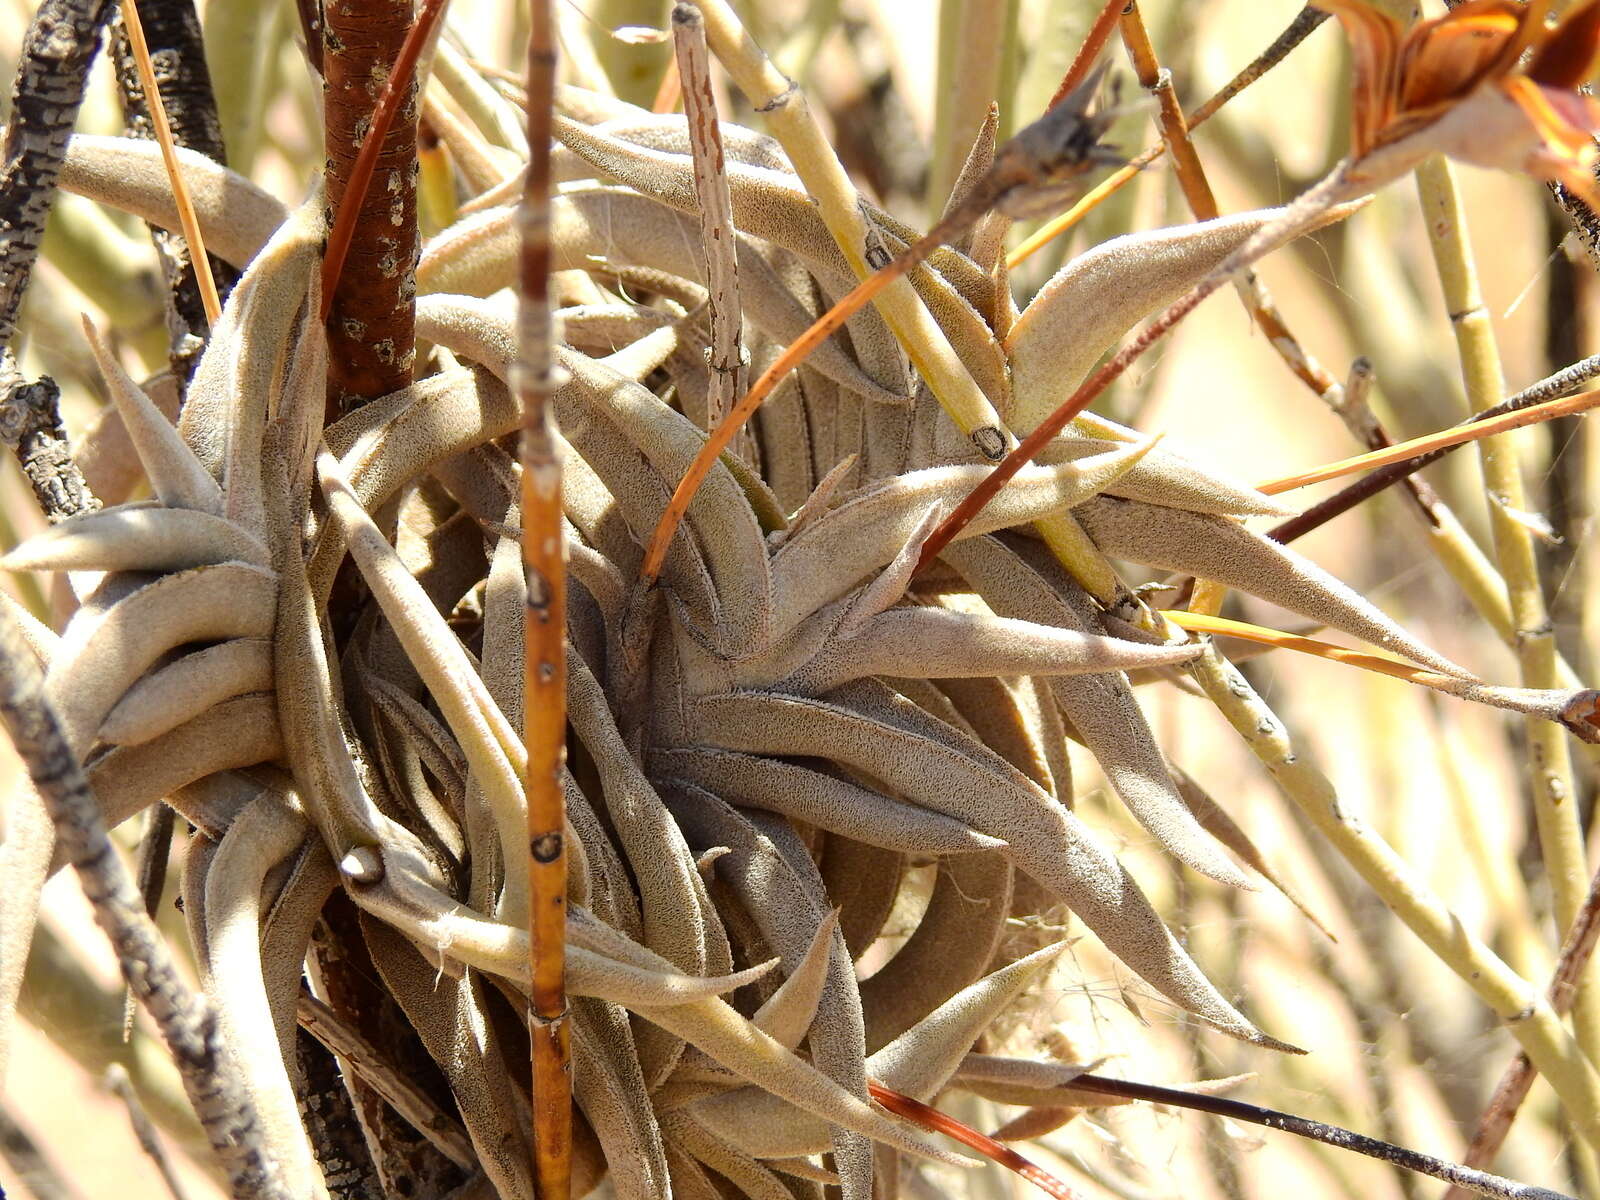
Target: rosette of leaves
759,744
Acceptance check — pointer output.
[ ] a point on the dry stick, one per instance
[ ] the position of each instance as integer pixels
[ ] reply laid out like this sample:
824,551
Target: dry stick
1558,384
1036,157
172,31
1403,453
185,1018
169,156
545,626
144,1130
384,1151
716,217
29,1164
1157,80
931,1118
52,67
1291,37
1089,53
368,1062
51,70
370,308
335,1127
1519,1075
30,425
1478,1182
1305,209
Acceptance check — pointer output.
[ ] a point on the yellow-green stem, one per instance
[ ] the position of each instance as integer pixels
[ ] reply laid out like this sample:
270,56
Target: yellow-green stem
1554,796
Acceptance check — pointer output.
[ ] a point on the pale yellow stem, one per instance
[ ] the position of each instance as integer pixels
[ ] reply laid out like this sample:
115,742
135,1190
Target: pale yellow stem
1554,796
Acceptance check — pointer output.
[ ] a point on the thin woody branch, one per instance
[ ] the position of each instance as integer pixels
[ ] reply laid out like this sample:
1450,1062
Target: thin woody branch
30,425
172,32
185,1018
1519,1075
544,630
52,71
716,215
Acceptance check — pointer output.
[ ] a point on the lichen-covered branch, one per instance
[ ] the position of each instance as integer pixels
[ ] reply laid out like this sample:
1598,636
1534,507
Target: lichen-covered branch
30,425
186,1019
51,72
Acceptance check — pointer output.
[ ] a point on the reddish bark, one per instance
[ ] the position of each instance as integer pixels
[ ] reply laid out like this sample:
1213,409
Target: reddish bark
371,317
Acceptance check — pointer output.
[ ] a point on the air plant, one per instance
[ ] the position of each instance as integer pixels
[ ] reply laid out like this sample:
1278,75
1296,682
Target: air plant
616,755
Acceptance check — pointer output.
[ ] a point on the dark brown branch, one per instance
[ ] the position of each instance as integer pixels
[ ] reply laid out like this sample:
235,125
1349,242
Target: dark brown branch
329,1116
407,1162
30,425
1479,1182
370,1064
51,71
187,1022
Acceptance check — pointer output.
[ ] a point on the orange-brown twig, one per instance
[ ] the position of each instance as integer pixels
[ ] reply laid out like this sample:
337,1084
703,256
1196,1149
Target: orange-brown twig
931,1118
1454,436
169,156
1089,53
545,628
1157,80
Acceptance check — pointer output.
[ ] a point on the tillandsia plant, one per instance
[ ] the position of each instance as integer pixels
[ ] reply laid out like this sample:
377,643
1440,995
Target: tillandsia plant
658,684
